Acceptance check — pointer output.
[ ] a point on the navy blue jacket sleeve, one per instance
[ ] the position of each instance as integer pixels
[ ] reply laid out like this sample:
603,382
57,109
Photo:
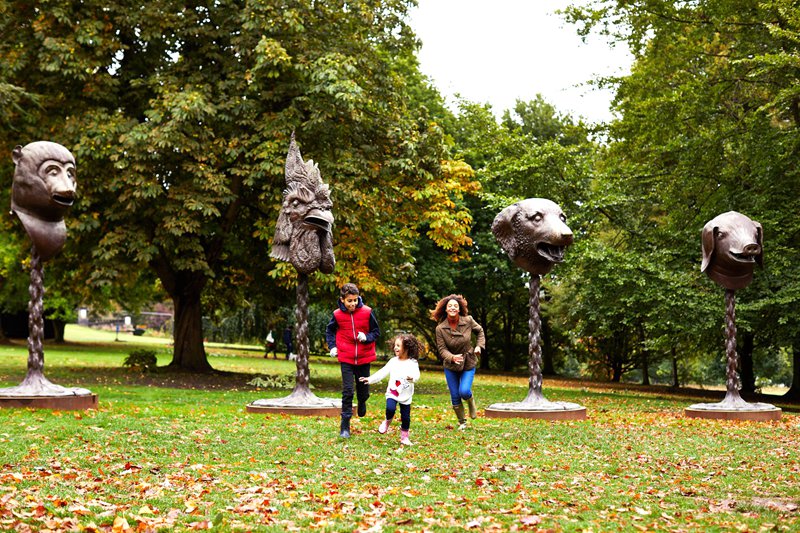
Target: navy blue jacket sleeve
330,333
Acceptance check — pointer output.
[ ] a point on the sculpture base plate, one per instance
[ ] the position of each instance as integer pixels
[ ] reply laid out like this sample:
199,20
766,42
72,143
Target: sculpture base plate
759,412
314,407
59,403
539,410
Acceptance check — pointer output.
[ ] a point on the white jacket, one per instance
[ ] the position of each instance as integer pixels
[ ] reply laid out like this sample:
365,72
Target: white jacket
398,370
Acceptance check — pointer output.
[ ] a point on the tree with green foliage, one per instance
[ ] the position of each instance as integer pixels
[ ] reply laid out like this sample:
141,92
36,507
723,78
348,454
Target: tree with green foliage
533,151
180,114
708,122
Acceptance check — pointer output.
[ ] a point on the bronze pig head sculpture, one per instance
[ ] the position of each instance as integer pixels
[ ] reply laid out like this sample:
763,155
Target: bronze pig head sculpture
534,234
732,245
303,231
43,189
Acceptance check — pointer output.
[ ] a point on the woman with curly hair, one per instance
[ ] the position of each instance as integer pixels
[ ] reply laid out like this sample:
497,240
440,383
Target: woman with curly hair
454,341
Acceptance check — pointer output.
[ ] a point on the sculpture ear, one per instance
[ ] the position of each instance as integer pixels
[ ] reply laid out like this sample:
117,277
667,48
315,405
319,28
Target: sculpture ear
709,238
759,239
503,229
16,154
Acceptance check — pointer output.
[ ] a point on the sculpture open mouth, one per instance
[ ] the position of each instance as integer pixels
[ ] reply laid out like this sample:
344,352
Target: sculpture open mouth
63,199
550,252
319,219
743,257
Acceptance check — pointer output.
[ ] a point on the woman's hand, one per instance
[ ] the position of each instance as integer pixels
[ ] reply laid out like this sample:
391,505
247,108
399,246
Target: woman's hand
477,350
458,359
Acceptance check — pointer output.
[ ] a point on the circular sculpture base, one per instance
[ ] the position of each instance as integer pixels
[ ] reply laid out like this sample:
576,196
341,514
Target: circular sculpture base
313,407
539,410
759,412
60,403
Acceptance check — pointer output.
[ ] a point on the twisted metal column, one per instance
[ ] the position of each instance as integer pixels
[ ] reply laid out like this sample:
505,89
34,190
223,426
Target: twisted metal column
302,377
534,344
35,316
732,376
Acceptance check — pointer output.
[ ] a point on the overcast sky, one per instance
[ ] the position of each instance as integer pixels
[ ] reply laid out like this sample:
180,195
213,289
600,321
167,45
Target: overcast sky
497,51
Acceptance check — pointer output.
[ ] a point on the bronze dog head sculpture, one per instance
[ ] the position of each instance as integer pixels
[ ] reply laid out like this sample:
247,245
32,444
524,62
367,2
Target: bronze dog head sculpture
732,246
43,189
534,234
303,231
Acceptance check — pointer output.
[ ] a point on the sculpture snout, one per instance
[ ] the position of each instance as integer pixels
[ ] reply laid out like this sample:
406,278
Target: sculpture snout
751,250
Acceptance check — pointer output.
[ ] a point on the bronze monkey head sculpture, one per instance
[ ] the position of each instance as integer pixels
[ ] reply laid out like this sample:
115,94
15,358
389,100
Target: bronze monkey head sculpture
732,246
43,189
303,231
534,234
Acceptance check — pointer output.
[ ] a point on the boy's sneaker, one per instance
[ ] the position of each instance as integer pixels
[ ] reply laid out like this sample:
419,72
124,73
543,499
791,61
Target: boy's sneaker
404,440
362,408
384,427
462,426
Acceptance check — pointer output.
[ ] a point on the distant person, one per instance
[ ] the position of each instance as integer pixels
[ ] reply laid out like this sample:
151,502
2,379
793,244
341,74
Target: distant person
351,336
403,372
287,341
269,346
454,331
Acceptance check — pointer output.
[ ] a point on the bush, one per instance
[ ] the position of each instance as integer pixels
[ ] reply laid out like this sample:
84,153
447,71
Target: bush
142,360
274,382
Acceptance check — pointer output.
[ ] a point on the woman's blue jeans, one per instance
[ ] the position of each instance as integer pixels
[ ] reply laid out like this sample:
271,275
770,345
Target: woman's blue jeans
460,384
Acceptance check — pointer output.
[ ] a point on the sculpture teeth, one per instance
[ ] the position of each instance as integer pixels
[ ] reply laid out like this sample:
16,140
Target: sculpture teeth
553,253
63,200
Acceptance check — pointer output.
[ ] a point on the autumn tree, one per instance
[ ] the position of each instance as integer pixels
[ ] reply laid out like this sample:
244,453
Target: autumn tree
180,114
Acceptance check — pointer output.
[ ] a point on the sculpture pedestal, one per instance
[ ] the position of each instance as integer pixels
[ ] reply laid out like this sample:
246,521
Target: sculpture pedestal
759,412
539,410
287,406
77,402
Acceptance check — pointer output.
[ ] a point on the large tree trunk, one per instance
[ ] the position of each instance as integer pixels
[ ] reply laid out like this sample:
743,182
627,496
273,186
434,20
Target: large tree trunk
794,391
547,348
484,317
746,374
58,330
189,352
509,354
675,379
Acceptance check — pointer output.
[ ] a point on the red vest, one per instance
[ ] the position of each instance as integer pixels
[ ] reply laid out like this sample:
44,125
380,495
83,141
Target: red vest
348,349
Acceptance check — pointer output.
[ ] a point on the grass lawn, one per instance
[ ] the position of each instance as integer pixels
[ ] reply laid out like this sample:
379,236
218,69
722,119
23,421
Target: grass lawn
178,451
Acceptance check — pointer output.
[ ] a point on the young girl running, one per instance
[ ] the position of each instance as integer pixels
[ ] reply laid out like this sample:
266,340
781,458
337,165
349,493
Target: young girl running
403,372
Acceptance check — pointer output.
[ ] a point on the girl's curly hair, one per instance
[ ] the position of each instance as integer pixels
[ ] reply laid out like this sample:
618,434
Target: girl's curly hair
411,345
440,312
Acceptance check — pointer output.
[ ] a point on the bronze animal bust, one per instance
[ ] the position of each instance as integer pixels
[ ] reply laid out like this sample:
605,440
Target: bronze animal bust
42,191
303,231
534,234
732,246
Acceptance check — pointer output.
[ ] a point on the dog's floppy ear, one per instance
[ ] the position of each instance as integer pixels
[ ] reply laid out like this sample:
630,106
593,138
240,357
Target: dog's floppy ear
503,229
759,239
709,239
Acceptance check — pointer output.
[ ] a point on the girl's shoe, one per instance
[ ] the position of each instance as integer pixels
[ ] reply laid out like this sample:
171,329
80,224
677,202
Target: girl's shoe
462,426
384,427
404,440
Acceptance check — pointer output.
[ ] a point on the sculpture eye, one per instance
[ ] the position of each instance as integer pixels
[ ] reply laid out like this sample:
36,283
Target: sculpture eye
537,217
563,217
52,170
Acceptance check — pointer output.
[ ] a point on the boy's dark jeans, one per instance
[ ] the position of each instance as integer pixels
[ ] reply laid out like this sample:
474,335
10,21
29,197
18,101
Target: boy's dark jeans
350,375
